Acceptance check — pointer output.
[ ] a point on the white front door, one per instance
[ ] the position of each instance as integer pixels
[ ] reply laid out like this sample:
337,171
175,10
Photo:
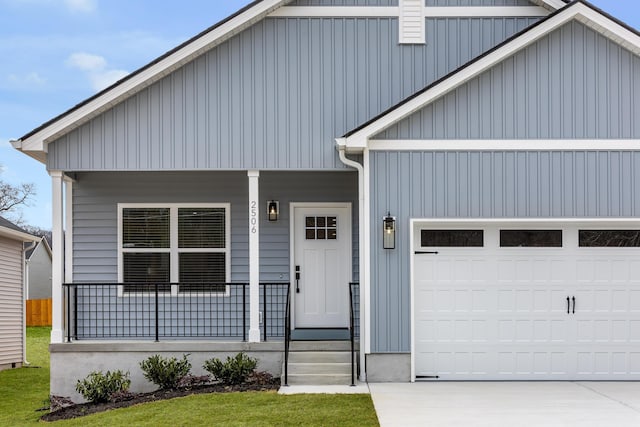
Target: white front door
322,261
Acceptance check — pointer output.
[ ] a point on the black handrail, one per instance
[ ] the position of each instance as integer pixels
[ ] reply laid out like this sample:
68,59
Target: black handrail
287,336
352,336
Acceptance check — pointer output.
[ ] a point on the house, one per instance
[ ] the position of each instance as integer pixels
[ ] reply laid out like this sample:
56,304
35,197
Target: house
38,260
38,279
12,321
454,184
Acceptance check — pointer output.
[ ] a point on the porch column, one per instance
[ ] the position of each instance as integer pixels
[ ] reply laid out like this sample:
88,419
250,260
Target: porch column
254,256
57,257
68,230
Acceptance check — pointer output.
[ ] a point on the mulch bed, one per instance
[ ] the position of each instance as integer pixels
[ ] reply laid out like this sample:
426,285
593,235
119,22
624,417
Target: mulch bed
83,409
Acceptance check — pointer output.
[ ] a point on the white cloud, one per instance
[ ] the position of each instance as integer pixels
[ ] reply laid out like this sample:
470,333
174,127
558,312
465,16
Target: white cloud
75,6
29,79
87,61
96,67
81,5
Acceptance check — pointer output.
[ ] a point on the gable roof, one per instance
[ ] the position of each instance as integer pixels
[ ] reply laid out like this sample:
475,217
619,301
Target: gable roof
34,142
44,243
580,10
12,231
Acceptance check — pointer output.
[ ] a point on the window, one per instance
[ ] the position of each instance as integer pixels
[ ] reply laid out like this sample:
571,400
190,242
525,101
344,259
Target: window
531,238
452,238
179,244
609,238
321,228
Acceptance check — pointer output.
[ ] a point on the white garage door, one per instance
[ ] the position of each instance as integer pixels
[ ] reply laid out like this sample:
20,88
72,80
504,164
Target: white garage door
526,302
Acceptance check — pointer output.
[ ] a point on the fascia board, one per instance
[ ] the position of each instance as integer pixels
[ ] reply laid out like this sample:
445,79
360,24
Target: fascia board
578,11
37,141
17,235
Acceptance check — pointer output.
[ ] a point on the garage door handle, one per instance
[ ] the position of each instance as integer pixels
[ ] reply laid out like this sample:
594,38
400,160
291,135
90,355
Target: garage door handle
426,252
574,305
568,305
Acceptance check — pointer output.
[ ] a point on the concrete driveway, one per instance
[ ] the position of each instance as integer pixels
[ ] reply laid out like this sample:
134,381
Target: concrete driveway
614,404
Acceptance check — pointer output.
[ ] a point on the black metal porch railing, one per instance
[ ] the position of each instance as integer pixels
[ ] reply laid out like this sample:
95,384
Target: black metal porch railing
287,337
171,311
354,291
353,309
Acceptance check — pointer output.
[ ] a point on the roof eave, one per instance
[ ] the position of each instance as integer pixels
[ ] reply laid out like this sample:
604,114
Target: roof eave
17,235
34,143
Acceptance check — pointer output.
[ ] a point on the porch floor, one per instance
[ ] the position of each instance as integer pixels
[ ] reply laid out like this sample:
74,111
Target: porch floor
320,334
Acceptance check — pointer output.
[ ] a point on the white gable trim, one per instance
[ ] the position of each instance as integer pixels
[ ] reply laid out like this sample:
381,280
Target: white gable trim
551,4
37,142
505,145
579,11
394,11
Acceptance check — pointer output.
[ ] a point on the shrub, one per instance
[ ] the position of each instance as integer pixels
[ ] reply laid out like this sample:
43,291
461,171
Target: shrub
99,387
165,373
234,371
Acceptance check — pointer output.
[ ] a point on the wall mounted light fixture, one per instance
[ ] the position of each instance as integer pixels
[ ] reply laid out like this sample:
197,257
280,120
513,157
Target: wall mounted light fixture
389,231
273,209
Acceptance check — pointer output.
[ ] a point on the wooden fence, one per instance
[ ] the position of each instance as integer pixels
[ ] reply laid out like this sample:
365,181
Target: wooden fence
39,312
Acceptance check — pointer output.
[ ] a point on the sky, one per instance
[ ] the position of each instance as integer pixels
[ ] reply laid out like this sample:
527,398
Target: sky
56,53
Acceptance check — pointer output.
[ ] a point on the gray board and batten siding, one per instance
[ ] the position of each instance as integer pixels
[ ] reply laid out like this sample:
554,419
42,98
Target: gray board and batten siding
572,84
95,216
275,96
482,184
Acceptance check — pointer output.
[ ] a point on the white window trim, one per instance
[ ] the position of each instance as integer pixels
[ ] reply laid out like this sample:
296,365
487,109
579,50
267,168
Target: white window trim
173,249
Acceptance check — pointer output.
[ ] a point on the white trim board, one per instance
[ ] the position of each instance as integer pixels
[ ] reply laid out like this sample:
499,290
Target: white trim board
577,11
394,11
505,145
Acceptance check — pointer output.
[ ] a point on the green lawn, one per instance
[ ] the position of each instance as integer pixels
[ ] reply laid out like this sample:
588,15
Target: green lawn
25,390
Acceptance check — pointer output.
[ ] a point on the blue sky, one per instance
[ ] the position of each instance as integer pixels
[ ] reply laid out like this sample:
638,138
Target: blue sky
56,53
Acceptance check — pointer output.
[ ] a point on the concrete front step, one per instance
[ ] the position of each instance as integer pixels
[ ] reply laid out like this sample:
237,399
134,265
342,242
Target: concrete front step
319,379
321,346
319,357
319,363
320,368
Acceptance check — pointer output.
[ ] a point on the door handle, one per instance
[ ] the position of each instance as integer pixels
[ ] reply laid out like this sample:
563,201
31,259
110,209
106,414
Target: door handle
298,279
574,304
568,305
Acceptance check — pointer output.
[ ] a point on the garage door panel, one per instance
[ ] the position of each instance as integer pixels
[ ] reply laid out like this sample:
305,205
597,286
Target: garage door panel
495,313
634,301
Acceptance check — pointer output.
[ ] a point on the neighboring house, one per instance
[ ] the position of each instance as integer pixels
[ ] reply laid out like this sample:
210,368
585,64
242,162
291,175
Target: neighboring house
12,320
38,271
474,168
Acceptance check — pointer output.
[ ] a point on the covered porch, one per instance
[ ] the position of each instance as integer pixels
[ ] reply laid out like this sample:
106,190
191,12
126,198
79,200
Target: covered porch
219,256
